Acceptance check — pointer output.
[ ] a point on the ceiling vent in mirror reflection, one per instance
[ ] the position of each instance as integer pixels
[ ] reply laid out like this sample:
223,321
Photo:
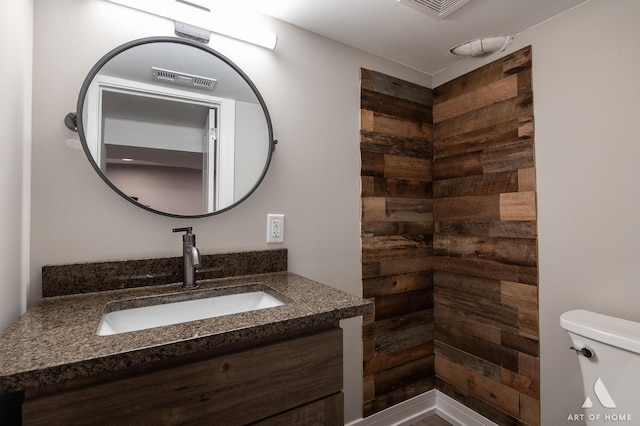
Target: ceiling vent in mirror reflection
175,77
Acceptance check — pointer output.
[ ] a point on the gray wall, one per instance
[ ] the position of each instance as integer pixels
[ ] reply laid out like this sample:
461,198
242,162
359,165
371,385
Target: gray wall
586,91
311,87
16,35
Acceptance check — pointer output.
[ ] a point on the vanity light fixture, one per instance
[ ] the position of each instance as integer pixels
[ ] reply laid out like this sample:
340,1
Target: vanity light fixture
193,14
483,46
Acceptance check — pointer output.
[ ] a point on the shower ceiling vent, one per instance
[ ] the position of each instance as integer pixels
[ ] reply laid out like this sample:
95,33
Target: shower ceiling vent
436,8
176,77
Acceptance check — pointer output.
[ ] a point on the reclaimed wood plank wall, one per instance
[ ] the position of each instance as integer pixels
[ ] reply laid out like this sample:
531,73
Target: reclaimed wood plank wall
485,242
396,130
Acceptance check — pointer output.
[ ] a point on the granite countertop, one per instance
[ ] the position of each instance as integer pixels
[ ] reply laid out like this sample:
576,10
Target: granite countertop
56,340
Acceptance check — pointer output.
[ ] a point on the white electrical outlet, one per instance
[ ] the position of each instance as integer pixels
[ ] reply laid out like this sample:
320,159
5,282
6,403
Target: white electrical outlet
275,228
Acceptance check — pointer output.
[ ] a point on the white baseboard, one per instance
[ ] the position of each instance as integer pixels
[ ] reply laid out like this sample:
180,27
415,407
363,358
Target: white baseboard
422,406
458,414
402,414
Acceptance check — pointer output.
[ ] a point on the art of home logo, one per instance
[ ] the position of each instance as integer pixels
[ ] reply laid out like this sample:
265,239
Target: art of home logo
604,400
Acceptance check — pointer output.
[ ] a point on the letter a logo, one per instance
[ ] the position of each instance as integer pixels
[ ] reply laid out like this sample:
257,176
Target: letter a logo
603,396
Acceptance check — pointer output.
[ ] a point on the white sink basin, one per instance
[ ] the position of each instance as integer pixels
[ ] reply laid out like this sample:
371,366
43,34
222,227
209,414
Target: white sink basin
156,315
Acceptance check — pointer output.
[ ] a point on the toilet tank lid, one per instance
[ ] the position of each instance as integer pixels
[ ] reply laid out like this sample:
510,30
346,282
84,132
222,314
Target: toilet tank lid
613,331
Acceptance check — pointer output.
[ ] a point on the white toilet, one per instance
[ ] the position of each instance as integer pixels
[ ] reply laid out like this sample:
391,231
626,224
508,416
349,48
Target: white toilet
608,350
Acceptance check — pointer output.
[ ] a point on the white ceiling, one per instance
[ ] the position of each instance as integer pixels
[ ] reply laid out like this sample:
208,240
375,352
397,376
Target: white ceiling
400,33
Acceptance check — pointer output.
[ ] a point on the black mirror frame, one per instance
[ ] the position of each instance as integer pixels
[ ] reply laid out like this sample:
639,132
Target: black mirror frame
106,58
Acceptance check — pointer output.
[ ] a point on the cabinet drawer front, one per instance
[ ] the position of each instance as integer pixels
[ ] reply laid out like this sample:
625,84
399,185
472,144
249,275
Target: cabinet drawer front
230,389
327,411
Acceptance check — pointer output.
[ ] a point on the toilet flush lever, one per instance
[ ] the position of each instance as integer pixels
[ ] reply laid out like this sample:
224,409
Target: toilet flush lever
587,352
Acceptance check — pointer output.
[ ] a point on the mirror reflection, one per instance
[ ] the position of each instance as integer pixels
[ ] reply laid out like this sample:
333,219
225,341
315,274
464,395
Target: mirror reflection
175,127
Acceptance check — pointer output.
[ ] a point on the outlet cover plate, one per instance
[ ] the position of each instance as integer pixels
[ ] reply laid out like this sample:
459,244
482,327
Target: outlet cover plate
275,228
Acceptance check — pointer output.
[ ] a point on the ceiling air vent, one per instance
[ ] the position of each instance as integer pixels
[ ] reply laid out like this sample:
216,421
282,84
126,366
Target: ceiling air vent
175,77
436,8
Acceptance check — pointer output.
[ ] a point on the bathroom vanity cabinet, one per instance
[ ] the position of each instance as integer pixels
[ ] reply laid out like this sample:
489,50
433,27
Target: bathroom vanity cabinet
297,380
273,366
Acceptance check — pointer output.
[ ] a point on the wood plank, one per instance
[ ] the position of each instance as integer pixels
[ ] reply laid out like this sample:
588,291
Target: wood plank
526,180
480,77
379,228
400,332
483,96
481,348
503,229
489,116
457,320
525,81
396,305
396,188
481,311
368,388
470,362
519,295
509,157
526,130
529,323
417,264
522,384
409,209
398,167
387,144
370,318
496,394
384,361
376,249
529,366
518,61
511,251
523,344
525,111
518,206
487,269
482,387
530,410
404,374
388,85
397,266
467,164
233,388
373,209
372,164
386,104
469,286
476,140
403,339
486,184
367,120
393,284
395,126
472,208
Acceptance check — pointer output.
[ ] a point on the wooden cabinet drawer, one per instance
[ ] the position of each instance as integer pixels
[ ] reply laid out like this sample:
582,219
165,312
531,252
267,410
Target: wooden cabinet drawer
327,411
230,389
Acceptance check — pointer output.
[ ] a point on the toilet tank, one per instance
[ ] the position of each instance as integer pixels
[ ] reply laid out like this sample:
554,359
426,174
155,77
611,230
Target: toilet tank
611,375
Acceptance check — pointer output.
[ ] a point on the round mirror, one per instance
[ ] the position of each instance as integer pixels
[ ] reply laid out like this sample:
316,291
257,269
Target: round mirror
174,127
